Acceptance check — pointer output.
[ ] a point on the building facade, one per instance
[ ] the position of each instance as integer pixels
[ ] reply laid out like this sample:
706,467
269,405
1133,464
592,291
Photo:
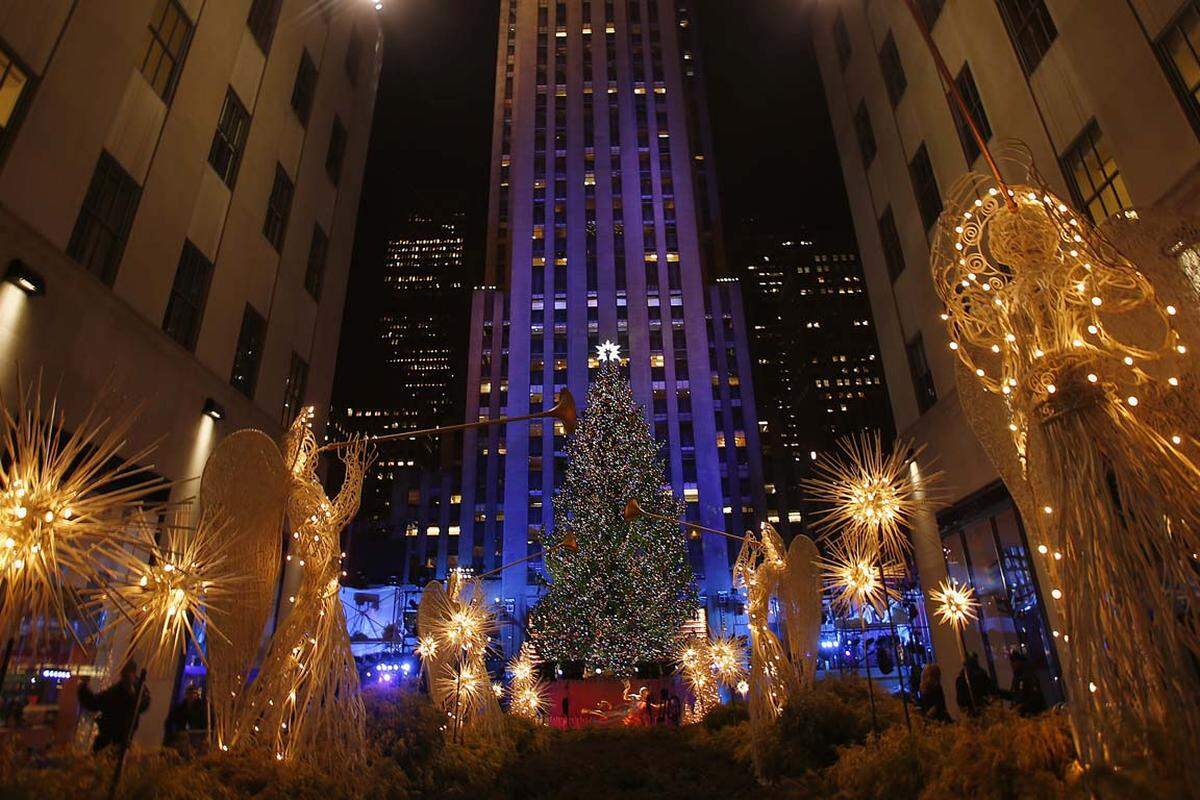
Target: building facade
603,225
421,350
815,356
1104,93
183,187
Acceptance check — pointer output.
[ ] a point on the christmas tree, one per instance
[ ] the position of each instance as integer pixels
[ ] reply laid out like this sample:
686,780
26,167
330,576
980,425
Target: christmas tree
621,598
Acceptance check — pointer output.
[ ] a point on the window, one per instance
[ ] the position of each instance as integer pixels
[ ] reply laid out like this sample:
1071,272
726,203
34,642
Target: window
893,252
279,204
168,38
929,199
841,40
930,10
1031,29
893,70
970,96
249,351
866,134
1179,50
14,81
185,309
922,377
1093,175
263,16
353,57
229,140
104,221
305,88
293,389
337,151
314,273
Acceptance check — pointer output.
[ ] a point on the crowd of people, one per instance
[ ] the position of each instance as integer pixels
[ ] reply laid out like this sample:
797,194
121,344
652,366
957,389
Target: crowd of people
974,689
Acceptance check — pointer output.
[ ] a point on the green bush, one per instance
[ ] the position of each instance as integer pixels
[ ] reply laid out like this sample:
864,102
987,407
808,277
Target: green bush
1001,757
724,715
835,713
406,728
164,775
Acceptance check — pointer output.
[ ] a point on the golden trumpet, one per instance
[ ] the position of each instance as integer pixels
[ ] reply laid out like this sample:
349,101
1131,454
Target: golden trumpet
564,411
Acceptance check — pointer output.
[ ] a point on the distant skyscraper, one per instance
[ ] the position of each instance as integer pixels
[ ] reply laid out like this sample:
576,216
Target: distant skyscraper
603,225
423,281
420,337
816,356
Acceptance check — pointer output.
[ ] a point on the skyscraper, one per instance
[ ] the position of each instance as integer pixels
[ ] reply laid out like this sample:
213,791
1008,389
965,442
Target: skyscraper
816,357
604,225
420,352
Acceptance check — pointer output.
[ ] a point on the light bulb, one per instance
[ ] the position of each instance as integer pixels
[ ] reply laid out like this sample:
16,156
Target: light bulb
1092,377
1171,310
1056,594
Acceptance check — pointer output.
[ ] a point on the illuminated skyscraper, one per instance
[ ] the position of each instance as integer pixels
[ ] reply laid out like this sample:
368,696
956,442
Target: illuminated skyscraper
816,357
421,352
604,225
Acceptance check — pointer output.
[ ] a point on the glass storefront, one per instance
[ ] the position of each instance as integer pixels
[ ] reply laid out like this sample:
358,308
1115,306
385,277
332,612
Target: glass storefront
985,546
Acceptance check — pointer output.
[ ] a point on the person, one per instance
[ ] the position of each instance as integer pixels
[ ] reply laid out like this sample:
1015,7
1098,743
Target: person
660,708
932,700
973,689
190,715
674,710
1026,692
118,707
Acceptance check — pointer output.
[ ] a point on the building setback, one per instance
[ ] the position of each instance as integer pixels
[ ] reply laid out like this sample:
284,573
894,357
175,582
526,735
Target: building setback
1105,95
185,185
603,225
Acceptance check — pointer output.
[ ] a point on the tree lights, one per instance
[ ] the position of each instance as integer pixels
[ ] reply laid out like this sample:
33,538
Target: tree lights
622,597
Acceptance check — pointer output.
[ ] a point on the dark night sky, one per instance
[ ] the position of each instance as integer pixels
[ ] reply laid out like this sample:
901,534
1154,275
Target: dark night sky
430,143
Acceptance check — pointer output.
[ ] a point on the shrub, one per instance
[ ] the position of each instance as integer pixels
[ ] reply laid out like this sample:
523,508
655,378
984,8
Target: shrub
814,724
406,728
999,757
724,715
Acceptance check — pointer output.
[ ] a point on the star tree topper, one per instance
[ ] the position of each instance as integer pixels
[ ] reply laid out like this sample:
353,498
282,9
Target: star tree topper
608,351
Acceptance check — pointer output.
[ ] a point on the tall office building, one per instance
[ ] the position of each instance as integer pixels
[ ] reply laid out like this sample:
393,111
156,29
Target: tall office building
420,350
421,324
1104,93
603,225
815,356
179,186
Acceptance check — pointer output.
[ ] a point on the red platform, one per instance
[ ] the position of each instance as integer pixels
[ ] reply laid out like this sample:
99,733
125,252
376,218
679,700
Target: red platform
591,695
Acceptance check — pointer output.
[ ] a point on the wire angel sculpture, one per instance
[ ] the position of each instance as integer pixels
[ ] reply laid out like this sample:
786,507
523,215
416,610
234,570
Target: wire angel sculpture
760,565
305,702
1073,373
800,601
245,481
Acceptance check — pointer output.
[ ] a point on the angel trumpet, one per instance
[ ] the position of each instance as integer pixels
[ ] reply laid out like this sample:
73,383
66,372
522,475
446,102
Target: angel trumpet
569,542
564,411
633,510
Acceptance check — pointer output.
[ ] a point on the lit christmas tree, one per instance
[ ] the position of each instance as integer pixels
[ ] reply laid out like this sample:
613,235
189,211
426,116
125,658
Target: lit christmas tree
622,597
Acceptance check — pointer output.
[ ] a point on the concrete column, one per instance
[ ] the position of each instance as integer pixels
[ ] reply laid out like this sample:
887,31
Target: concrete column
931,570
